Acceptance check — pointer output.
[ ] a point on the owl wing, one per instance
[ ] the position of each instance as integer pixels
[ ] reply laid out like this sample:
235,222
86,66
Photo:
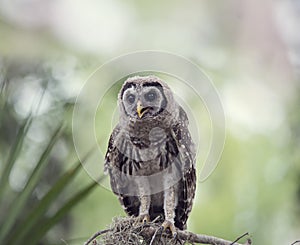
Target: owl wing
110,156
187,185
114,160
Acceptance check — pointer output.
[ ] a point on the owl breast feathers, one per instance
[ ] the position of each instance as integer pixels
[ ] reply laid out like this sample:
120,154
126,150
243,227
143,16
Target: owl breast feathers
151,157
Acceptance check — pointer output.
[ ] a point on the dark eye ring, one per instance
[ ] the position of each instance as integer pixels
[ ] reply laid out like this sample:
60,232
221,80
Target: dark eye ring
130,98
150,96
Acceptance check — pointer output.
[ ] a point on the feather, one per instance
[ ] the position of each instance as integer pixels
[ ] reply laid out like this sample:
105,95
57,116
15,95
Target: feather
148,147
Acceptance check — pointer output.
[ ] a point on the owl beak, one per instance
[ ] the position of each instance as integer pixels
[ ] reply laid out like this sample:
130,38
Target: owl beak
140,110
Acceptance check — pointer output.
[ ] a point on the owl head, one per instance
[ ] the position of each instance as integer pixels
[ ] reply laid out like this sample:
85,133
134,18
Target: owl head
145,97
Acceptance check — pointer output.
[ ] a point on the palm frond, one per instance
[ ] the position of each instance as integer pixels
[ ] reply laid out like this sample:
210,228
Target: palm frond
14,153
20,201
41,228
36,215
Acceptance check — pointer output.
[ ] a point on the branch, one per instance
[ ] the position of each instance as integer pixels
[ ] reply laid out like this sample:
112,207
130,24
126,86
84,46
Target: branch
295,242
96,235
128,231
191,237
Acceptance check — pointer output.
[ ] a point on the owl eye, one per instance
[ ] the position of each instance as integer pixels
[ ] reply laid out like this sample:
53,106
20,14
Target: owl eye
130,98
150,96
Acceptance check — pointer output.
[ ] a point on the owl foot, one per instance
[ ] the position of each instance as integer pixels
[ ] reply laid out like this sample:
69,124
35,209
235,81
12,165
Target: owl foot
144,218
168,224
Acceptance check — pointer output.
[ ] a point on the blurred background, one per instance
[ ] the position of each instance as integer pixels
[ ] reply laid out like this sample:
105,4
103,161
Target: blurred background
251,51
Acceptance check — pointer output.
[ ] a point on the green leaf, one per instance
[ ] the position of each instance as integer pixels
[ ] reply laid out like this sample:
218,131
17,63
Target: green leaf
14,153
42,228
3,96
20,201
17,146
37,213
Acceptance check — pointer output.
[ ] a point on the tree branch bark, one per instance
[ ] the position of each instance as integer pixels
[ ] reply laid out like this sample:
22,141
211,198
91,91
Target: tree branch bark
123,228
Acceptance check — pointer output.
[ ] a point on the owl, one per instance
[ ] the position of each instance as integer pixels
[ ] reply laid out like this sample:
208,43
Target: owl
151,156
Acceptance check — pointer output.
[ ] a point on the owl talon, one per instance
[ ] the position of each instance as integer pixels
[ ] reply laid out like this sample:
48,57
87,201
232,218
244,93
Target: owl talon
168,224
144,218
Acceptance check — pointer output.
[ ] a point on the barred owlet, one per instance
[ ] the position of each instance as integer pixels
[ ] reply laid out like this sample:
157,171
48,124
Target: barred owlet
151,156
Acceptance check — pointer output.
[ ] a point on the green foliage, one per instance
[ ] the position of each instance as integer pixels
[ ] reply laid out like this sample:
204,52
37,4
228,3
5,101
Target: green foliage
24,217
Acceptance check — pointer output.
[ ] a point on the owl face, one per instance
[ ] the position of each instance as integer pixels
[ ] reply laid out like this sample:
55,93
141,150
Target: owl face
143,98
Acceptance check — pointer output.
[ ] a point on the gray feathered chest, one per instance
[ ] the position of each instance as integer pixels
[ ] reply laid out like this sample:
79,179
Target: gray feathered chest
146,147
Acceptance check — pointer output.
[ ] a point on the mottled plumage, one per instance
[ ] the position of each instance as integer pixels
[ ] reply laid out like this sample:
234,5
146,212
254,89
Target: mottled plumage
151,156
